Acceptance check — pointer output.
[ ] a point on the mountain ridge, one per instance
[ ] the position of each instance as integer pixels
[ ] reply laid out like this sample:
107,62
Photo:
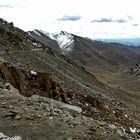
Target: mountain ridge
103,59
33,69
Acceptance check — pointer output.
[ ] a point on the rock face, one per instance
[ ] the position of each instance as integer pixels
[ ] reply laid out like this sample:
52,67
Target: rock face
31,83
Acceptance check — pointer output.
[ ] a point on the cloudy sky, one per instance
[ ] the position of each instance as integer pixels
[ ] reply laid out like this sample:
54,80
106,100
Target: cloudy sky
91,18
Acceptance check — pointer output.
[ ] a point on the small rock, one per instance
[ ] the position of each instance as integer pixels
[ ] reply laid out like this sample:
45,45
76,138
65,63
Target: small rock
84,118
34,98
91,119
133,130
45,114
114,112
68,118
126,115
39,116
92,129
58,111
7,86
33,72
112,126
120,132
75,123
127,130
101,123
18,117
13,125
54,113
11,107
11,114
5,91
14,91
4,104
75,114
45,106
29,117
71,126
138,132
51,118
89,133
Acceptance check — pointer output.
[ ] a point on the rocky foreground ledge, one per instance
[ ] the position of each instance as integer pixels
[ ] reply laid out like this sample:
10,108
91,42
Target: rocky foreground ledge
33,106
41,118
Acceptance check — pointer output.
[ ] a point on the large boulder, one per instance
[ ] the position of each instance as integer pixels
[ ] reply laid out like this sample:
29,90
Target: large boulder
57,104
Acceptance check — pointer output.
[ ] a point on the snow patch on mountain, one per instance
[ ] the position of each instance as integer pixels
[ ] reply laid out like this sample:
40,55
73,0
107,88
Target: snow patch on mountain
37,32
65,41
40,32
50,35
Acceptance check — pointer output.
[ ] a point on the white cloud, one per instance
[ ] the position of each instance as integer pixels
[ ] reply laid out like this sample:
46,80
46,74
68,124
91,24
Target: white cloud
44,14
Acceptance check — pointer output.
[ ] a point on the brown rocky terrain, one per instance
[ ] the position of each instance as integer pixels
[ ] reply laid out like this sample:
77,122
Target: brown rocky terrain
32,83
111,63
38,118
46,95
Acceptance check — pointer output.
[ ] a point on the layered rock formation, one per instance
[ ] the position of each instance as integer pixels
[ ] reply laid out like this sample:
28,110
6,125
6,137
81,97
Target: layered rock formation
31,83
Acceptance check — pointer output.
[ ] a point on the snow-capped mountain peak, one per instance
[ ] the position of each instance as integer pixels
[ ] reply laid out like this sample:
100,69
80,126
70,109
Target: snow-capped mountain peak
65,41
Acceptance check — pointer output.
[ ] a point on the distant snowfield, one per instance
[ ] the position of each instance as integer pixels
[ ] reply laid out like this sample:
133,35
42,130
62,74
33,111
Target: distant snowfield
5,137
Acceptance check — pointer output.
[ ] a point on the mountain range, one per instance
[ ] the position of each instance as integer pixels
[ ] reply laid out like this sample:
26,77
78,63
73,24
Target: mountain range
99,58
54,85
126,41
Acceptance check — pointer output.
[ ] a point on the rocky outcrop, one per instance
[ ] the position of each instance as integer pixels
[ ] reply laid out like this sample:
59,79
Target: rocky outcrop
31,83
135,69
54,103
40,118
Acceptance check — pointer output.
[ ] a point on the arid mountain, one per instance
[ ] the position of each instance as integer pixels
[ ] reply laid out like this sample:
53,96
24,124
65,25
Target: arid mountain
135,49
75,46
35,68
44,38
110,62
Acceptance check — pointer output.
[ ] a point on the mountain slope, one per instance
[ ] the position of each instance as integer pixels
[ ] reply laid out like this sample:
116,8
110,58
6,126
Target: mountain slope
89,52
92,50
110,62
125,41
36,69
73,77
44,38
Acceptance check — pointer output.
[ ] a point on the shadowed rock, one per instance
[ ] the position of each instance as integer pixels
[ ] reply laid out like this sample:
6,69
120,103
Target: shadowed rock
32,83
